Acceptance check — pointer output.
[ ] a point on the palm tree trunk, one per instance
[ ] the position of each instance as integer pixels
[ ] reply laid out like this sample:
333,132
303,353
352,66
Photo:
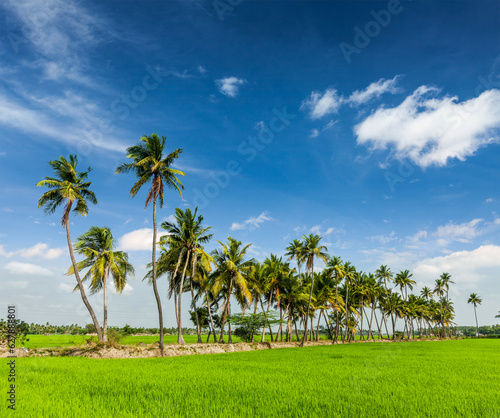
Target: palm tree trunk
255,313
198,329
105,294
155,288
267,312
477,324
180,340
80,284
361,337
193,275
317,325
309,304
210,315
175,287
262,339
225,313
346,310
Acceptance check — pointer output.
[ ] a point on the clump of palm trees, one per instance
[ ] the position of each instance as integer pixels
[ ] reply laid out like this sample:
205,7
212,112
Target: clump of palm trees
347,300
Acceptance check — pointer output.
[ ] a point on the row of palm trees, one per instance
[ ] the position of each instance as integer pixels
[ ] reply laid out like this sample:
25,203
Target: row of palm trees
347,300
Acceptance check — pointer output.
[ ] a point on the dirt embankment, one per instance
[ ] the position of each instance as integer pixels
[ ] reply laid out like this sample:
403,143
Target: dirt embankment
92,350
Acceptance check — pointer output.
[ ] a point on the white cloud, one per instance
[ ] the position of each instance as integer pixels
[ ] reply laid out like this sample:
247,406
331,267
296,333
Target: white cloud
38,250
138,240
320,104
170,218
385,239
465,267
315,132
41,250
18,285
317,229
430,130
374,90
202,69
251,223
15,267
489,200
5,253
229,86
65,287
463,232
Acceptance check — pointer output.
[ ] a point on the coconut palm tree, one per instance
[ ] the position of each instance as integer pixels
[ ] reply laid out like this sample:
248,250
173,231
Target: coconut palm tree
151,165
185,238
295,251
232,272
440,290
312,249
336,267
384,275
70,188
475,300
97,245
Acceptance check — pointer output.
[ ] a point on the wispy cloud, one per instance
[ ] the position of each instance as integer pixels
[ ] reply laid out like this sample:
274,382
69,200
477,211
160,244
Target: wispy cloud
430,130
374,90
319,104
230,86
18,268
252,222
38,250
316,132
138,240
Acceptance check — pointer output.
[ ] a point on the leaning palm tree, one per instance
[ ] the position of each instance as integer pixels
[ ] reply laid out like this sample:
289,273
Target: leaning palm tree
97,246
150,165
70,188
312,249
475,300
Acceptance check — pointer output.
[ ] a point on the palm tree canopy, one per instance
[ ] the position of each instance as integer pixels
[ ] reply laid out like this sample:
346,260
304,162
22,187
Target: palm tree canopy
232,266
149,164
474,299
68,186
97,245
313,249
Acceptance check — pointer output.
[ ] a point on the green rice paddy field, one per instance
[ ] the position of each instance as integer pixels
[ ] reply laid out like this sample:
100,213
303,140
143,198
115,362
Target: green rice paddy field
408,379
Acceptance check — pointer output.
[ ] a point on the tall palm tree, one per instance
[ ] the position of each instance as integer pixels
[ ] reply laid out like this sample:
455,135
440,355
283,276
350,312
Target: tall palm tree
312,249
232,272
97,246
70,188
440,290
185,238
295,251
475,300
385,276
150,165
336,266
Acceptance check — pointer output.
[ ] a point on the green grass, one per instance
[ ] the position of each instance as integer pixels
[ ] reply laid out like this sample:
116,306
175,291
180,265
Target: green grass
409,379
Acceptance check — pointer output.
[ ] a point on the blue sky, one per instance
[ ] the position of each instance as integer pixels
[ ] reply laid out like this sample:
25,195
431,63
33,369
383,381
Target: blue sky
374,124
